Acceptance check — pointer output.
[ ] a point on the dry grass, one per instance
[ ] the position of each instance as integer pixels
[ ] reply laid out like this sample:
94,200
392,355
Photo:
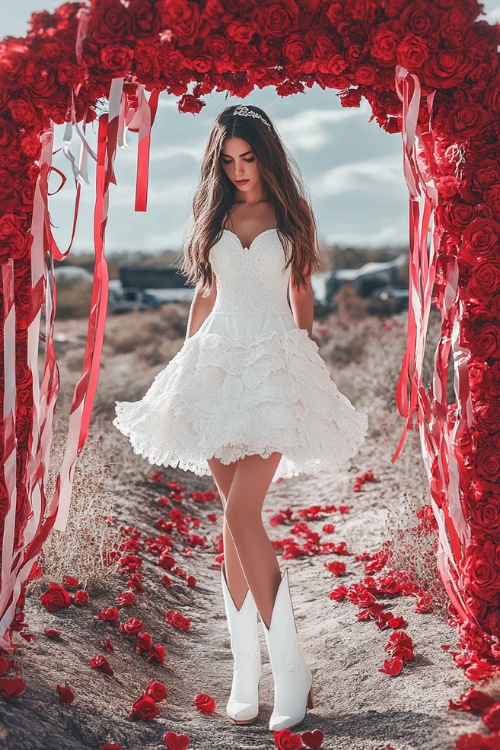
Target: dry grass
413,546
81,550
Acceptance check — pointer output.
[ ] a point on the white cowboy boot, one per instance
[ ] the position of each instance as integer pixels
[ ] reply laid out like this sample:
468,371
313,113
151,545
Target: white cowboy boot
292,677
243,704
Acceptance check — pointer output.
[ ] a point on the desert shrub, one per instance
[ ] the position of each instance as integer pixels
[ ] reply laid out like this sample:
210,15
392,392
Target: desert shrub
136,330
81,549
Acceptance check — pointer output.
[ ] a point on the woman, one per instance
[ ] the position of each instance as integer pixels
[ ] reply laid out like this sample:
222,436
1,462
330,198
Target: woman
248,398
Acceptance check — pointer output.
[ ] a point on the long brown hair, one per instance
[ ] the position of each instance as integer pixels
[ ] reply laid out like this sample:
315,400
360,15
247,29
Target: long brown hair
215,194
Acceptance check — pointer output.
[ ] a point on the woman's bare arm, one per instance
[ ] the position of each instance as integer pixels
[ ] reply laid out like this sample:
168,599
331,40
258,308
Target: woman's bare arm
200,309
302,304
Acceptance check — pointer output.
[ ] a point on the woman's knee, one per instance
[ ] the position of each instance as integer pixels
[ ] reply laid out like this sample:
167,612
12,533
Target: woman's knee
241,520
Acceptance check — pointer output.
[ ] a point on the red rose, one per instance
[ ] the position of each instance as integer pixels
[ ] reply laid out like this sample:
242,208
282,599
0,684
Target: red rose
455,216
157,653
204,703
132,626
482,236
182,18
279,18
486,417
484,341
295,48
492,198
23,112
55,598
481,571
383,43
446,68
116,58
41,83
241,32
156,690
189,103
350,98
144,709
486,175
419,19
485,280
110,19
412,52
145,18
467,119
492,96
13,56
365,74
487,461
216,46
285,739
126,598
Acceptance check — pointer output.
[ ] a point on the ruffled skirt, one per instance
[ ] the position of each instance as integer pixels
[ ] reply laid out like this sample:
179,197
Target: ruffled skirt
245,387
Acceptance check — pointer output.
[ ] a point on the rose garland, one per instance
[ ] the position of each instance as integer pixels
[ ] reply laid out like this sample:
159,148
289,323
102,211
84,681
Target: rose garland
447,105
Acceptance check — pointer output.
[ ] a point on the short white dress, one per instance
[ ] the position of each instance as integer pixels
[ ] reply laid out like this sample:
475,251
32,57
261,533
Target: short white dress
249,381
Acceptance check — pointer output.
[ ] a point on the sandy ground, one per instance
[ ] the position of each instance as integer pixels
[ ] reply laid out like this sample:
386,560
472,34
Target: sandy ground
357,707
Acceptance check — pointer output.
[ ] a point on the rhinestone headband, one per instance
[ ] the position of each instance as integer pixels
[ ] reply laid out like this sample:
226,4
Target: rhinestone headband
243,110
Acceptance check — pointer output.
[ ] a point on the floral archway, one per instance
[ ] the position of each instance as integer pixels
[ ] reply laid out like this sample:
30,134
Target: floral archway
430,71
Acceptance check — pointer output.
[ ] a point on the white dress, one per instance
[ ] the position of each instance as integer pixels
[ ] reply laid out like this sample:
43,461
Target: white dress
249,381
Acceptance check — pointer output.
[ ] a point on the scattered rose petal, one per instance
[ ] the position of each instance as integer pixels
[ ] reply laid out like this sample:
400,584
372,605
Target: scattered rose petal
157,653
81,597
177,620
100,662
108,646
66,695
71,582
52,632
111,746
109,614
175,741
392,666
126,598
12,687
204,703
313,739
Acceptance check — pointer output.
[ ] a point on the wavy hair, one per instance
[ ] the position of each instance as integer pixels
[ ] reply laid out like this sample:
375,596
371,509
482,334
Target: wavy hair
215,195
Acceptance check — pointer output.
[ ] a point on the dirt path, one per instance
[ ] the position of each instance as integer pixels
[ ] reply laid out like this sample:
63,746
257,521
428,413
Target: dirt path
357,707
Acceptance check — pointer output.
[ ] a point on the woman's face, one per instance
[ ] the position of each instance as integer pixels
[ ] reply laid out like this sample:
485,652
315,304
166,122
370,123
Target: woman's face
239,163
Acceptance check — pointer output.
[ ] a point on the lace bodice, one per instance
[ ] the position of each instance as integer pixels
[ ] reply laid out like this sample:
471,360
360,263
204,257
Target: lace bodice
250,280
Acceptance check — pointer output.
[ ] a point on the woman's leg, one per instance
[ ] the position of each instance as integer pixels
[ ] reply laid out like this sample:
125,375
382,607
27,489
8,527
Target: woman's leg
223,476
243,515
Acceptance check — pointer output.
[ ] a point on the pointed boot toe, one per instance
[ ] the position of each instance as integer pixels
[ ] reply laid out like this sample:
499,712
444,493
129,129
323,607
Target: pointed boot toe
243,703
292,677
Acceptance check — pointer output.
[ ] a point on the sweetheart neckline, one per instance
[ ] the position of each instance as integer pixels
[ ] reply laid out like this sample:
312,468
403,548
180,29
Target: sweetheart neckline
272,229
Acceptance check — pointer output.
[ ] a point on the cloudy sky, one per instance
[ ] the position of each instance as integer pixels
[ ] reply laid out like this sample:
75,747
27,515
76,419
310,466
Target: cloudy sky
352,168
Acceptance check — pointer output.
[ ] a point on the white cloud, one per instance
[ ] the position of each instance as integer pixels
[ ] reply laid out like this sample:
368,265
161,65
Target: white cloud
310,129
364,176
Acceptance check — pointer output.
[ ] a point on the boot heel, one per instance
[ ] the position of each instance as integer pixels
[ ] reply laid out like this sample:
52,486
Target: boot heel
310,698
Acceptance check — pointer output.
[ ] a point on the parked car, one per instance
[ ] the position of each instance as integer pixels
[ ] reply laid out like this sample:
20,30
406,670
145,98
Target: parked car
396,297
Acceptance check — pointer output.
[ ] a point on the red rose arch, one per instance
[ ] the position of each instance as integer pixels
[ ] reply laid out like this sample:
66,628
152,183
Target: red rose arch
430,71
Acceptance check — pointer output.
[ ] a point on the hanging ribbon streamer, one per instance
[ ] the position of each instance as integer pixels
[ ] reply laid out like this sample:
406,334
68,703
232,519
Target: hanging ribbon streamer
438,446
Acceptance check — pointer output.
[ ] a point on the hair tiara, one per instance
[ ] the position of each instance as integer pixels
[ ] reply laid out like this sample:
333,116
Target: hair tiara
244,111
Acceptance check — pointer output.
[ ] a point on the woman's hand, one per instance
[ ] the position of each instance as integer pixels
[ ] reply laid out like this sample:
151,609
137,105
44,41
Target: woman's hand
200,309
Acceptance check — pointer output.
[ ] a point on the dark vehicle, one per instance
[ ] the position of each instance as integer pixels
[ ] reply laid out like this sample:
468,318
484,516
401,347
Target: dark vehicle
396,298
